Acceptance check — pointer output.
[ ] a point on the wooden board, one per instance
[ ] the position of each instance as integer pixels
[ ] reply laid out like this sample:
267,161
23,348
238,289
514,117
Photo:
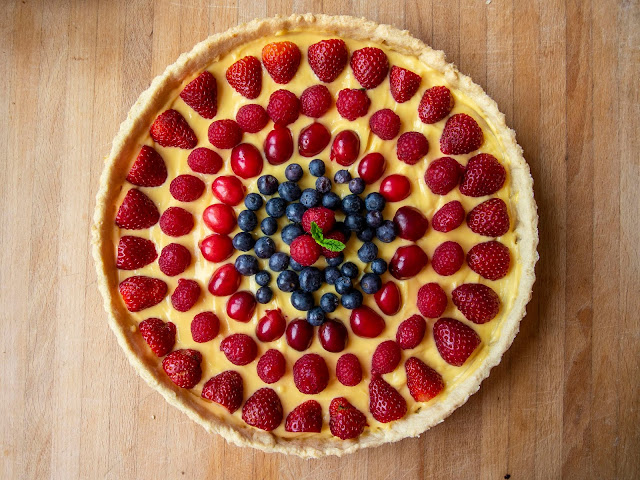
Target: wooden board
563,403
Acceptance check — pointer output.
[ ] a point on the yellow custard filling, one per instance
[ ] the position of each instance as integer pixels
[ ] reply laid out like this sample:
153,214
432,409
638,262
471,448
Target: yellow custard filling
229,101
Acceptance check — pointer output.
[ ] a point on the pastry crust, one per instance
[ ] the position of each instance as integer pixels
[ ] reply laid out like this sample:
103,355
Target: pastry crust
141,116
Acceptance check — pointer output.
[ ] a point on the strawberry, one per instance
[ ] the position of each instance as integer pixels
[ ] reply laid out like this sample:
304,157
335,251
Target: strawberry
436,103
352,103
403,83
385,124
447,258
159,336
327,59
370,66
245,77
449,217
139,292
315,101
281,60
183,367
454,340
204,160
489,218
149,169
324,218
135,252
335,235
176,222
271,366
305,250
386,357
423,382
310,374
263,410
306,417
252,118
411,147
345,420
225,133
283,107
385,403
240,349
137,211
170,129
174,259
478,303
348,370
432,301
201,94
205,326
186,188
461,135
484,175
443,175
490,260
185,295
225,389
411,332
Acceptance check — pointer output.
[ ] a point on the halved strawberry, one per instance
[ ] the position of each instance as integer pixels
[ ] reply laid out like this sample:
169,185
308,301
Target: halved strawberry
484,175
327,58
281,60
149,169
423,382
489,218
370,66
478,303
461,135
201,94
490,260
245,77
140,292
306,417
159,336
385,402
403,84
263,410
137,211
183,367
436,103
170,129
455,341
225,389
345,420
135,252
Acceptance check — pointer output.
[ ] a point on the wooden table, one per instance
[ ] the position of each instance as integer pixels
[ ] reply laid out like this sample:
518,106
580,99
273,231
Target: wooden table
563,403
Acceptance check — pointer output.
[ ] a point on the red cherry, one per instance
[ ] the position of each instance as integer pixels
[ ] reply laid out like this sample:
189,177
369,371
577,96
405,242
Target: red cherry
241,306
313,139
371,167
271,326
366,323
395,187
220,218
216,247
228,189
299,334
411,224
278,146
246,161
333,336
224,281
407,262
388,298
345,148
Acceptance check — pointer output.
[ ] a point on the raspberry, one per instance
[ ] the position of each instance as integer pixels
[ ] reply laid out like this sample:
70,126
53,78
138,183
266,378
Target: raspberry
240,349
225,133
386,357
186,188
324,218
454,340
352,103
449,217
315,101
385,124
484,175
245,77
283,107
385,403
140,292
204,160
137,211
432,301
447,258
149,169
411,332
305,250
281,60
423,382
490,260
310,374
185,295
135,252
403,84
327,58
345,420
461,135
201,94
348,370
477,302
436,104
489,218
176,221
411,147
443,175
183,367
306,417
263,410
170,129
205,326
225,389
252,118
159,336
271,366
174,259
333,236
370,66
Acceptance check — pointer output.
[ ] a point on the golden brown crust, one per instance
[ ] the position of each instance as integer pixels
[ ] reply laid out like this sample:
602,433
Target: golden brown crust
140,117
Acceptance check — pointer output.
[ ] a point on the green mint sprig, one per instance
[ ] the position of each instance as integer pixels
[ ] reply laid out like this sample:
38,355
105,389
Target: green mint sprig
328,243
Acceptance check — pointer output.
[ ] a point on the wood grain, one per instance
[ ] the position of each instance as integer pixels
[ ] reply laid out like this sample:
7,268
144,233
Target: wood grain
564,403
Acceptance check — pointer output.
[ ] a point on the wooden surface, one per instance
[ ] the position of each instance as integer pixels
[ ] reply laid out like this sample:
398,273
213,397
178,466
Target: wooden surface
565,401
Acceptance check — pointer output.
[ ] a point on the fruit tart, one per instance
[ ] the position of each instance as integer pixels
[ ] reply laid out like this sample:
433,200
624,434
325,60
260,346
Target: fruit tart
314,235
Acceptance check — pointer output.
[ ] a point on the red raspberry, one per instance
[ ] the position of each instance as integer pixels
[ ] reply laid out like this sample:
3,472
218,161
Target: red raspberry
205,326
370,66
245,77
186,188
135,252
385,124
432,301
403,84
185,295
477,302
149,169
327,59
345,420
411,147
310,374
306,417
140,292
201,94
411,332
386,357
484,175
461,135
385,403
159,336
225,389
283,107
423,382
305,250
348,370
271,366
170,129
490,260
183,367
281,60
137,211
174,259
240,349
252,118
176,221
447,258
225,133
436,104
263,410
204,160
489,218
334,236
454,340
316,101
443,175
449,217
324,218
352,103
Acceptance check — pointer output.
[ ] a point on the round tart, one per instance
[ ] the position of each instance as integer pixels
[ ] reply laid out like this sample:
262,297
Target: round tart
314,235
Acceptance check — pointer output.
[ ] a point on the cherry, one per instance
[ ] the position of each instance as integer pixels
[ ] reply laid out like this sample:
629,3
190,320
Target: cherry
333,336
299,334
278,146
395,187
246,161
228,189
388,298
271,326
313,139
411,224
224,281
345,148
241,306
371,167
220,218
407,262
216,247
366,323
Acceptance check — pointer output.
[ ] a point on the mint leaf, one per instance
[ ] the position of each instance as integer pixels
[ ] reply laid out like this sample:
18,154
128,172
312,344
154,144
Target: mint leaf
328,243
316,232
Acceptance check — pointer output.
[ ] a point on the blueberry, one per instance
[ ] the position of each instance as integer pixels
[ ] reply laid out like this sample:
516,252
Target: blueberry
315,316
356,185
368,252
341,227
247,265
342,176
287,281
263,278
386,232
334,262
295,265
269,226
310,198
329,302
247,220
370,283
331,200
323,185
366,235
295,211
276,207
355,222
349,269
279,261
293,172
352,299
352,204
264,247
378,266
290,191
253,201
267,185
302,301
374,218
243,241
291,232
343,285
310,279
316,167
374,202
331,274
264,295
